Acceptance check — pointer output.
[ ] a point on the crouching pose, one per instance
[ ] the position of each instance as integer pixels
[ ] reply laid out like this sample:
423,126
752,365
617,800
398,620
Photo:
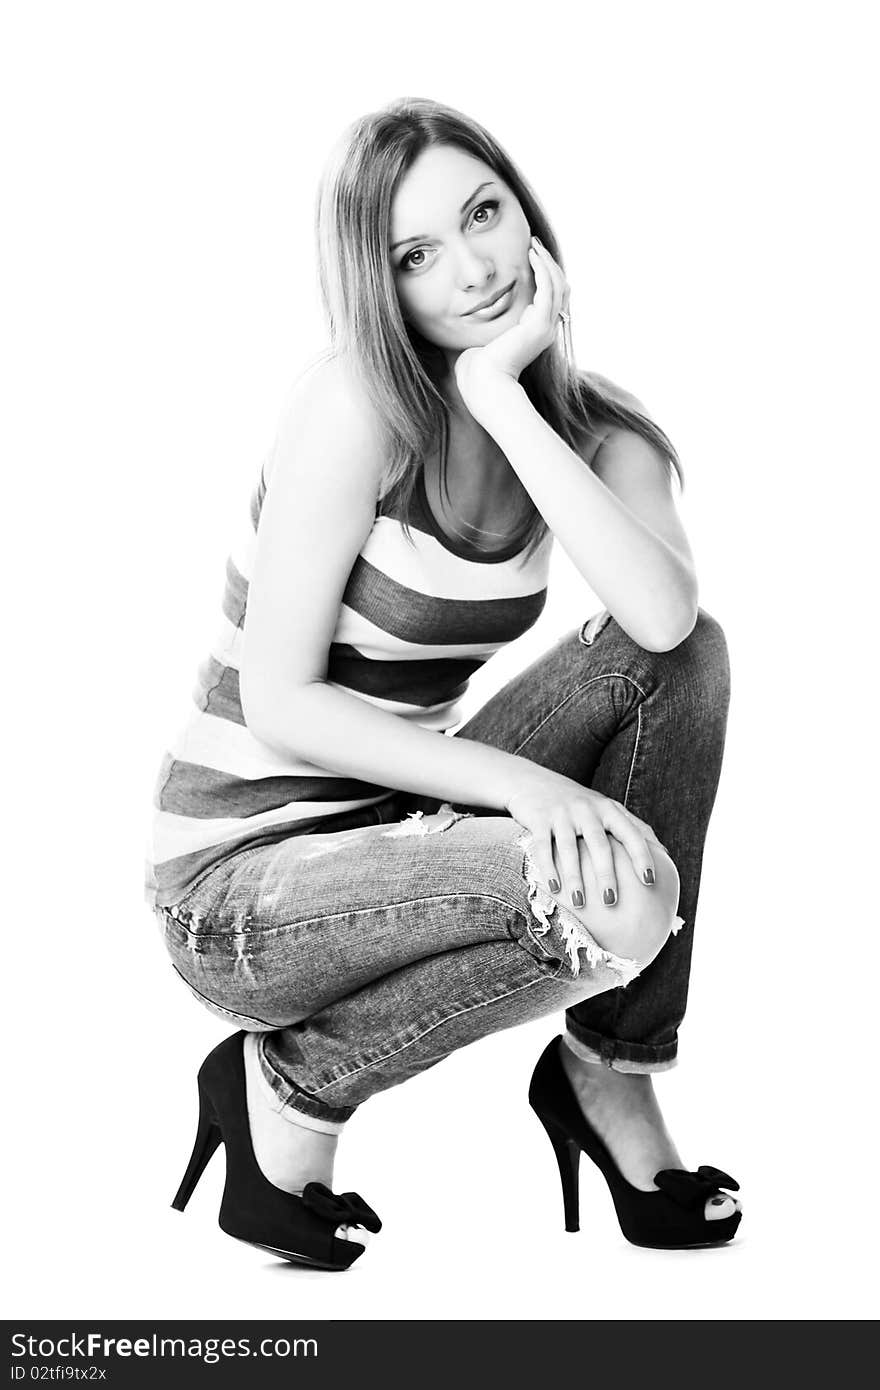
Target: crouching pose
355,884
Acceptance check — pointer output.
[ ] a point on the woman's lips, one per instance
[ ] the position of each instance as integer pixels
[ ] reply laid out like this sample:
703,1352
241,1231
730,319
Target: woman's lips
499,305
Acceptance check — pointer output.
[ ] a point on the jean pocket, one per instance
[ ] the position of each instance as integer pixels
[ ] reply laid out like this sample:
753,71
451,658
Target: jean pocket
590,630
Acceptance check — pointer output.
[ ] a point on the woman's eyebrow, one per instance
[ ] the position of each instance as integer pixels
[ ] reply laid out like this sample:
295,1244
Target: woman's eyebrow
423,236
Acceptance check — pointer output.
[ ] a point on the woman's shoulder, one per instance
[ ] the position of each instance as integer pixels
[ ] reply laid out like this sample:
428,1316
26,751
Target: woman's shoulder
611,391
603,401
328,394
331,382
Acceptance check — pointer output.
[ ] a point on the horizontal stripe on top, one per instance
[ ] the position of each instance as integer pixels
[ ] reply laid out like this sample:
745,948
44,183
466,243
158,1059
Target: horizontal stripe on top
415,622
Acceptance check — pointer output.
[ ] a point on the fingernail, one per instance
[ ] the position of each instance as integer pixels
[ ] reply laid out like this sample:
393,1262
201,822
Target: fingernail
718,1201
577,898
609,897
648,875
554,885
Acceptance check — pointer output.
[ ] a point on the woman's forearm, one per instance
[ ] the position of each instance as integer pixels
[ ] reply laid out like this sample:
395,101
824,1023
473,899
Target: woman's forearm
640,578
341,733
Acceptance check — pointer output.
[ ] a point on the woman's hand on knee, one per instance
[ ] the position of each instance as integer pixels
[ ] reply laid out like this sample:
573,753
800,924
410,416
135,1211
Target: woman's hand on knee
568,821
642,920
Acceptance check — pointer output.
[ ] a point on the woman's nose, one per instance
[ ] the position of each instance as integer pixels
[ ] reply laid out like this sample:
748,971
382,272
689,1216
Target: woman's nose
474,270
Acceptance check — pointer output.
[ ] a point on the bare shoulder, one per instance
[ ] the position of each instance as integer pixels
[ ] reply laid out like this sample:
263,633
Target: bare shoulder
610,389
331,380
329,405
319,508
594,440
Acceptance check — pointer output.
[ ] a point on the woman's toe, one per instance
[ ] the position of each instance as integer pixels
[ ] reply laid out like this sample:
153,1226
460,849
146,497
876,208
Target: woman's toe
719,1207
355,1233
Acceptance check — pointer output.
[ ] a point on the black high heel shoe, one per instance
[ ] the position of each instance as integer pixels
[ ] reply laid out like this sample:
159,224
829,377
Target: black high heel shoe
671,1219
299,1229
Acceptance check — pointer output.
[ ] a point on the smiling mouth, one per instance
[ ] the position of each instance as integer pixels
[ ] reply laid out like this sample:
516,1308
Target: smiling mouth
487,303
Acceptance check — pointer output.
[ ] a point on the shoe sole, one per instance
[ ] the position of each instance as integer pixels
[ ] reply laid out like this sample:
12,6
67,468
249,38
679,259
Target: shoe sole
689,1244
293,1257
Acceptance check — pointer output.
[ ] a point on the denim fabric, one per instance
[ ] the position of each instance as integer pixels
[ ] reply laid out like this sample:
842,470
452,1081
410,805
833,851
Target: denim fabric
371,950
648,729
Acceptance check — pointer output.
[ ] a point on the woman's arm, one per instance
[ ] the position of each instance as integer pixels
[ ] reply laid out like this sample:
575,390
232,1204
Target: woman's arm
617,524
318,510
340,733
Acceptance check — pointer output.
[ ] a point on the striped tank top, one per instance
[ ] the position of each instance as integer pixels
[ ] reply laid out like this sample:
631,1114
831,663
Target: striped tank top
415,622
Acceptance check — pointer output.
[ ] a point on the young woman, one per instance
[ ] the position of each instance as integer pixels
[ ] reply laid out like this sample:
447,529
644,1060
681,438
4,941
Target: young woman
357,889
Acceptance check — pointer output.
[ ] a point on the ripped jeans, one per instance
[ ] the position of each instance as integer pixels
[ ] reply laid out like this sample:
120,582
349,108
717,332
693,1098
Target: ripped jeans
401,932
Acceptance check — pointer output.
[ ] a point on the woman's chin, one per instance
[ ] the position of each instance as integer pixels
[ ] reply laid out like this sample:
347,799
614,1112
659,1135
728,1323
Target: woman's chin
479,334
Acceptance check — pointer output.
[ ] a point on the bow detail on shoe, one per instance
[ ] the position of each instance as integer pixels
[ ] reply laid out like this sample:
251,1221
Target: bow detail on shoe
692,1190
340,1209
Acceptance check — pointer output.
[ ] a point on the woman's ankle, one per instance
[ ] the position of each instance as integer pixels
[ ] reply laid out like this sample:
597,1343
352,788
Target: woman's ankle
598,1076
289,1153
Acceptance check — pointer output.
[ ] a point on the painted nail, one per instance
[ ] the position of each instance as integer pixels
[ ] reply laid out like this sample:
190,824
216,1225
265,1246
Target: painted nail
554,885
609,897
718,1201
577,898
648,875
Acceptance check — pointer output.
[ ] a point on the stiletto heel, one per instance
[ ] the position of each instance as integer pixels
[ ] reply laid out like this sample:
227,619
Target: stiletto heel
670,1218
301,1229
207,1140
568,1156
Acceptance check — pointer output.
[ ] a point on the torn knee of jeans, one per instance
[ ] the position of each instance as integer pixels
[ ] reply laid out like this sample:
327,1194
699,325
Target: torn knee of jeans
195,935
576,939
241,959
186,926
182,915
417,823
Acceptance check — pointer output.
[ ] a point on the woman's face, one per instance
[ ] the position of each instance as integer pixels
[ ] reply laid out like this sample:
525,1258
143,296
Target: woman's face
465,239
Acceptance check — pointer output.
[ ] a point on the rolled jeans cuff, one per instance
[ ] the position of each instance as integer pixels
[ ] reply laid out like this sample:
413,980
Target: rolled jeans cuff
303,1108
618,1055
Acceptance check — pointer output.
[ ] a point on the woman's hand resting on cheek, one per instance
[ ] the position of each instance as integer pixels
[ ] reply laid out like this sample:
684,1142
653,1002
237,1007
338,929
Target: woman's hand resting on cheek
481,368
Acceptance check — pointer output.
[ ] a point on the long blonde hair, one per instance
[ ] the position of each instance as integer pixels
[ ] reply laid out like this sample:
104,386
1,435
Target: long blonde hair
399,368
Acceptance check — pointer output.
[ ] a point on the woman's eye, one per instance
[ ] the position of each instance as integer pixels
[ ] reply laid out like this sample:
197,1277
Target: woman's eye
408,263
490,206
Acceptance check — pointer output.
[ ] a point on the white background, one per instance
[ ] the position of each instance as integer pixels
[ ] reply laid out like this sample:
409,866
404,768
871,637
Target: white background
708,171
